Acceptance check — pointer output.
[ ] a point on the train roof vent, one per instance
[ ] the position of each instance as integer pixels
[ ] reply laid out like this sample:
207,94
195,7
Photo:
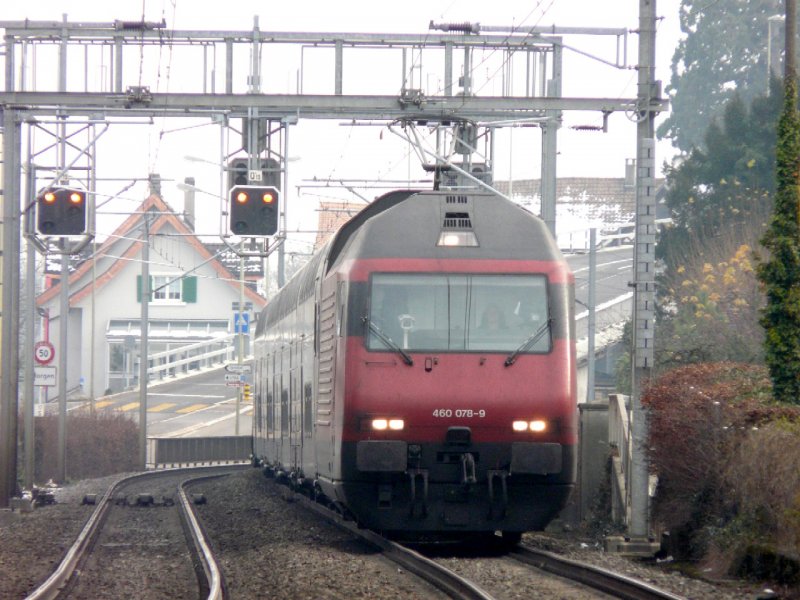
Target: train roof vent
460,199
457,220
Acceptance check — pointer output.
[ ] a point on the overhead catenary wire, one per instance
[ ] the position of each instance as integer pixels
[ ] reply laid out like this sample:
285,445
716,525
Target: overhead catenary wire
154,155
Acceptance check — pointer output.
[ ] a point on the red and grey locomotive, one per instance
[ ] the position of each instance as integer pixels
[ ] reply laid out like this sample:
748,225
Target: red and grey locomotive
420,369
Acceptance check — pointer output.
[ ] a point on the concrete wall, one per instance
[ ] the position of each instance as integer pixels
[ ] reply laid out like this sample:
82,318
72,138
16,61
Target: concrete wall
593,455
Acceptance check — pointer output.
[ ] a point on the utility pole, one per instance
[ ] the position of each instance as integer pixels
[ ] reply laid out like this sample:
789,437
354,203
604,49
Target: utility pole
644,272
791,42
550,148
63,320
240,390
773,55
143,342
28,390
9,330
592,316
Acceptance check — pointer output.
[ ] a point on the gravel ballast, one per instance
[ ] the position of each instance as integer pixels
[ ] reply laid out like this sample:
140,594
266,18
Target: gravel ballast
268,544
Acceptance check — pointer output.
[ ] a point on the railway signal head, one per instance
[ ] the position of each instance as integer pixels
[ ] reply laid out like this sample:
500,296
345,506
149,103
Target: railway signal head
253,210
61,211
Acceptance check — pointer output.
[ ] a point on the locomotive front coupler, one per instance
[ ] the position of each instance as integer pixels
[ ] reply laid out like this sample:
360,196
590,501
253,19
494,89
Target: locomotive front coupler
468,477
502,475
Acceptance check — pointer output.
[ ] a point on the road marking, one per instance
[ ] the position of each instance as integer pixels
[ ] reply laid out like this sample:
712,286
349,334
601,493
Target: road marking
103,403
207,384
128,407
162,406
199,426
208,407
605,305
192,408
606,264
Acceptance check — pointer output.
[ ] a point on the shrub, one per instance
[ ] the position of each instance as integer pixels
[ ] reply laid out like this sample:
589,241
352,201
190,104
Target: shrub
97,445
763,480
707,425
711,307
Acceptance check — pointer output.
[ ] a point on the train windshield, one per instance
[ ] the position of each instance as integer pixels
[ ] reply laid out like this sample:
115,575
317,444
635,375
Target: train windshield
479,313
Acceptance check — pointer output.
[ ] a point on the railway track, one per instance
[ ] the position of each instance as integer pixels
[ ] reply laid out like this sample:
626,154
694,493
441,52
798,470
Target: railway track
148,519
449,582
110,565
460,587
615,584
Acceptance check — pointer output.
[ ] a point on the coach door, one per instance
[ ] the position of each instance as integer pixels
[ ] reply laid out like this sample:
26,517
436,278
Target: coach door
285,382
296,394
326,336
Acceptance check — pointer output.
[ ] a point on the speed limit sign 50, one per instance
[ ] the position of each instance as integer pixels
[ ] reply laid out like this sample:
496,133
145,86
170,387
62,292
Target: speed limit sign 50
43,352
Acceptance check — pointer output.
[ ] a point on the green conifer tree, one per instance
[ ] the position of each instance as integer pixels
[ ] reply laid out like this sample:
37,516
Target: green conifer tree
780,274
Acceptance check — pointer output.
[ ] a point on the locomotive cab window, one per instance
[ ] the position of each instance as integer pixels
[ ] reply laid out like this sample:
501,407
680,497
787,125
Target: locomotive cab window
477,313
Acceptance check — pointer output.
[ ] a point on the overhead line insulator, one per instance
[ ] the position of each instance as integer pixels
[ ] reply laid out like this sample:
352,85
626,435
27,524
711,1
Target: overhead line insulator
465,27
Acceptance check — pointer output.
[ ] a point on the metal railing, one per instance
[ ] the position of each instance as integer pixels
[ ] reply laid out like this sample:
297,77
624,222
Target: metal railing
619,431
576,240
183,452
220,350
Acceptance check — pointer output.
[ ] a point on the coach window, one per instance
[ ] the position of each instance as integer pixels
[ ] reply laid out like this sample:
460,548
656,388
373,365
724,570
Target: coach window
481,313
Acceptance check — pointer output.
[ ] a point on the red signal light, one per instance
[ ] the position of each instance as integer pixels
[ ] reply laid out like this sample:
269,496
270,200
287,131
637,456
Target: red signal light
61,211
253,210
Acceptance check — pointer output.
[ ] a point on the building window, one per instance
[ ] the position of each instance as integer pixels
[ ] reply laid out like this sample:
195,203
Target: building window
169,289
166,288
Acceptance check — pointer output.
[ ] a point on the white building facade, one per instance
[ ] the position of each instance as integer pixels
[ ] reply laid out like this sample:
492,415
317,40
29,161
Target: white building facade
191,305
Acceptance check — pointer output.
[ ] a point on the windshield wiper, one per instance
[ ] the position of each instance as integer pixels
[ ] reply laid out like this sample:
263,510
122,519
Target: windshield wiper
535,337
390,343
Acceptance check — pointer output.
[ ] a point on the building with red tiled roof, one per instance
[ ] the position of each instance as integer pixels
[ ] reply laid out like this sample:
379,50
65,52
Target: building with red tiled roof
333,215
192,296
611,200
608,199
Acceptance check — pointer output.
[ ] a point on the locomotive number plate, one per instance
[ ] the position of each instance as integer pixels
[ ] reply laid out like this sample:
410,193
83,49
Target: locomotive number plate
460,413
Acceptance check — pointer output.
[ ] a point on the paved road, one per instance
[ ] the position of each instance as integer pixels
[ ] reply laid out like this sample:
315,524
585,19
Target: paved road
614,272
197,406
613,296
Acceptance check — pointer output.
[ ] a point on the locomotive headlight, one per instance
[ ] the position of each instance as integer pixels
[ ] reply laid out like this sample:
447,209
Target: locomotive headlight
383,424
537,426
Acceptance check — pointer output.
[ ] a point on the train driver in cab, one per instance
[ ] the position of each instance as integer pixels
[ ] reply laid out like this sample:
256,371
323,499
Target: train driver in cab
493,319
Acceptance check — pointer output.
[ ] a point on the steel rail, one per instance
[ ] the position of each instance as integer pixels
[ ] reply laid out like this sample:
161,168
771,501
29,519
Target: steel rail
213,573
54,585
616,584
441,577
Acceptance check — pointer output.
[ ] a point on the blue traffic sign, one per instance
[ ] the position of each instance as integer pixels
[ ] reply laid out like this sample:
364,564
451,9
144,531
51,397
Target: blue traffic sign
241,320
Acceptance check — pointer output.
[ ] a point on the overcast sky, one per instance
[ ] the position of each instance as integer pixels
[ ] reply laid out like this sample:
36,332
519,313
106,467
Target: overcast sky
331,150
